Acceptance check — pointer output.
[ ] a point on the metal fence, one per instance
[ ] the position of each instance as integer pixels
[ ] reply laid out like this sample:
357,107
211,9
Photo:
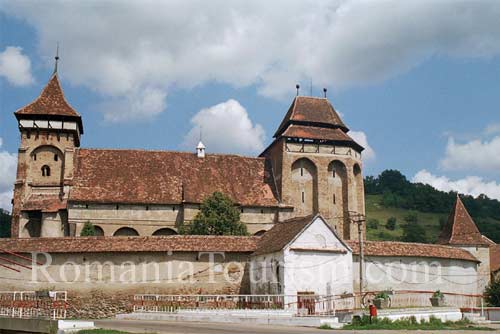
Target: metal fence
32,304
411,298
297,305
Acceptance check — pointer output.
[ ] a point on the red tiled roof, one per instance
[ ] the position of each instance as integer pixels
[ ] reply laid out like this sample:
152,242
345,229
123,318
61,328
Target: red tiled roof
281,234
175,243
494,258
460,228
51,102
161,177
313,132
306,109
408,249
44,203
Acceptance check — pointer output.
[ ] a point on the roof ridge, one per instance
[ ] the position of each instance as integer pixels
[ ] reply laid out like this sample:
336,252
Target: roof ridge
167,151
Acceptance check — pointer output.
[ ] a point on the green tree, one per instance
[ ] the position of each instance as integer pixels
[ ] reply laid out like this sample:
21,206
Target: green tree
411,218
372,224
217,216
391,223
414,232
5,219
88,230
492,293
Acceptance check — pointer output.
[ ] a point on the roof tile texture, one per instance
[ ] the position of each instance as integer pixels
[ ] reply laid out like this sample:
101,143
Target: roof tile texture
313,110
313,132
460,228
179,243
407,249
50,102
162,177
44,203
281,234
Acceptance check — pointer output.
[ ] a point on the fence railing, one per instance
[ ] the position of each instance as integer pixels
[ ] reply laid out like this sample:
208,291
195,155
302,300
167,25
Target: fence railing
411,298
31,304
297,305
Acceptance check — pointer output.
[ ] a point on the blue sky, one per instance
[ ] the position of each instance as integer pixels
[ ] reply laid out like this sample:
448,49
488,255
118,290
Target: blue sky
419,81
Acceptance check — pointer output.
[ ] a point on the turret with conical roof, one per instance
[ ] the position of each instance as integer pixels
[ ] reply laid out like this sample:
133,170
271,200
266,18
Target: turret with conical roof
460,231
315,118
50,110
50,131
317,165
460,228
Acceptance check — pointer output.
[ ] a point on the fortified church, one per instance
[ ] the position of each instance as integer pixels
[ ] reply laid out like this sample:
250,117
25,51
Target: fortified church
312,166
301,199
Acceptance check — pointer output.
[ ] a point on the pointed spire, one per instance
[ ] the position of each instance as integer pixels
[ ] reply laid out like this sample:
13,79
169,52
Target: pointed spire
460,228
56,58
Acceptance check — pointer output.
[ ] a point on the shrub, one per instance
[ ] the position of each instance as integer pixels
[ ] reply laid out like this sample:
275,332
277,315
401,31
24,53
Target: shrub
373,224
437,294
492,293
382,295
391,223
411,218
217,216
88,230
414,232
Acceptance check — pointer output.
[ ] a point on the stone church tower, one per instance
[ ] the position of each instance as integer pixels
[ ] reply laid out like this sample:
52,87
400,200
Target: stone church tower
317,166
50,131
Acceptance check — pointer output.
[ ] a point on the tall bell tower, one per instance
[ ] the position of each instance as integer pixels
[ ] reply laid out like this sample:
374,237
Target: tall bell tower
317,165
50,131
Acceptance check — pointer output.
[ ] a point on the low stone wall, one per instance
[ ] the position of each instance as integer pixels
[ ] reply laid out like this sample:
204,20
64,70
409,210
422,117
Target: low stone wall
100,285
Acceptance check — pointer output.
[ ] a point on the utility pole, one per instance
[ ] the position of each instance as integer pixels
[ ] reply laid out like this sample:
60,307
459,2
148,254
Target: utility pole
359,219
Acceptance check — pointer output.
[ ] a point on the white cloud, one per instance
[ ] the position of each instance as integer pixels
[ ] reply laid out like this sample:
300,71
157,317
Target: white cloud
8,165
15,66
492,129
225,127
361,139
472,185
473,155
142,104
122,48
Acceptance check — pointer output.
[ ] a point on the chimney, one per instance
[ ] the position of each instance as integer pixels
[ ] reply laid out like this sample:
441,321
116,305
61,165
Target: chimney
200,150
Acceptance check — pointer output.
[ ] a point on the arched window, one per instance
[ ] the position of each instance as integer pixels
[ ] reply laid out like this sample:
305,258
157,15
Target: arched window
99,232
305,185
126,231
259,233
45,170
56,157
164,231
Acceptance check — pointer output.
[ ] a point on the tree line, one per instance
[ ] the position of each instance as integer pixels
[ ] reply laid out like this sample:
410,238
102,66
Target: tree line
398,192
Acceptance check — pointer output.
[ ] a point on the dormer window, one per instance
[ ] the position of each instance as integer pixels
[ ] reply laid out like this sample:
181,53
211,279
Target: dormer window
45,170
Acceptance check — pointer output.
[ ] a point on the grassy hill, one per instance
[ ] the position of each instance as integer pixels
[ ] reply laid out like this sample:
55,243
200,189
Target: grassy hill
429,220
375,210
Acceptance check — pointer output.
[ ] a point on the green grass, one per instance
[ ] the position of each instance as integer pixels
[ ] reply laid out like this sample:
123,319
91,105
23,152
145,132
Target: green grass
374,210
411,324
